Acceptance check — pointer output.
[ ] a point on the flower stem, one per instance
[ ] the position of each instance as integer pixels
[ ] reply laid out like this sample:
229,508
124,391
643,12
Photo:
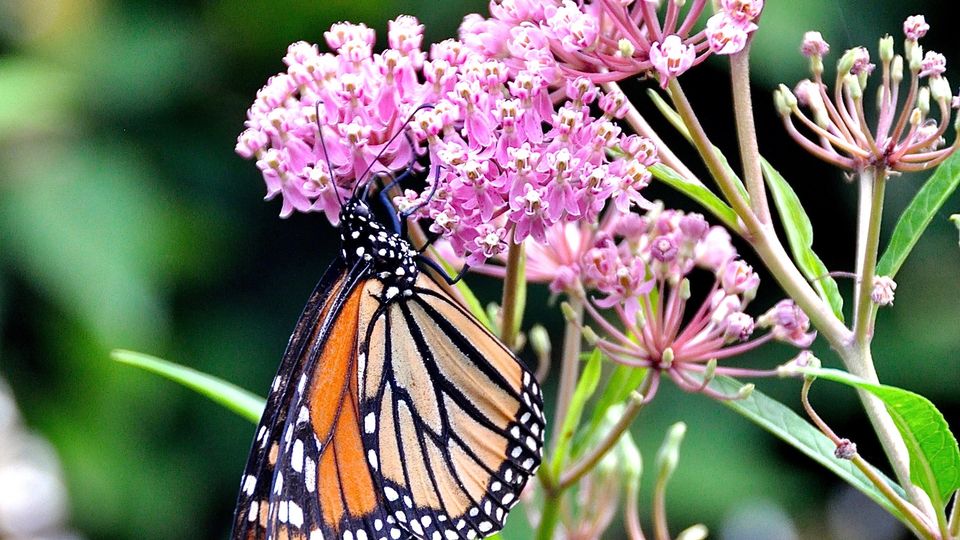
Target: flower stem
747,133
640,125
569,369
660,530
589,461
550,515
511,287
872,187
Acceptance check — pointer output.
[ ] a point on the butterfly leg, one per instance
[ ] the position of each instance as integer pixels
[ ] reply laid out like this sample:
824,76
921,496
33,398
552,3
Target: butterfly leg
440,270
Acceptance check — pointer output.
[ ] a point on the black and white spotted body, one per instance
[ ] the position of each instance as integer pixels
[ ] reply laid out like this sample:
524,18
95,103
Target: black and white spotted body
389,256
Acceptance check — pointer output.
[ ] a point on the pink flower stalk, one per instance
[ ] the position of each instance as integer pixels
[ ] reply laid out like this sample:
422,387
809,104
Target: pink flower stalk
904,136
608,40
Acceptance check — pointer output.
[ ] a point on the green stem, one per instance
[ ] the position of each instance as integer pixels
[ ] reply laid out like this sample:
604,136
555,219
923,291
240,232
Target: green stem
550,515
511,287
640,125
872,187
579,469
659,508
747,133
919,525
569,369
710,158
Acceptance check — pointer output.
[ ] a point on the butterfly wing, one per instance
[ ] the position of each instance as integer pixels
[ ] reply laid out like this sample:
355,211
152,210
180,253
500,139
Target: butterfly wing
307,476
452,420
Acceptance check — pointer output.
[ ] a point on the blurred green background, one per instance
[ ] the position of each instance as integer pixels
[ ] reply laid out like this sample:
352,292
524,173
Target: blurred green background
126,220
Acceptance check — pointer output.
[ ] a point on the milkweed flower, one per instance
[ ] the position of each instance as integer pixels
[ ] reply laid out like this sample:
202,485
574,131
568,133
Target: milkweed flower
506,160
606,40
905,137
633,275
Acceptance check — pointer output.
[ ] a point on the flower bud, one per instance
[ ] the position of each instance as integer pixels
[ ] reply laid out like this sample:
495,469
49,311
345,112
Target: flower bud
802,360
896,69
882,293
915,27
923,101
669,454
846,449
695,532
915,58
886,48
746,390
814,45
784,100
540,342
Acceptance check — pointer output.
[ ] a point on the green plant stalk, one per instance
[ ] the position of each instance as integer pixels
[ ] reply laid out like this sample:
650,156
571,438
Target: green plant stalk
634,530
569,373
746,133
569,370
510,304
872,188
763,238
857,355
706,150
549,516
659,508
579,469
640,125
771,251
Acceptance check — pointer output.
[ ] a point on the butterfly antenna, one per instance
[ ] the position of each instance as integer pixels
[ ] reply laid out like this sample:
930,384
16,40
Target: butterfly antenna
403,129
326,156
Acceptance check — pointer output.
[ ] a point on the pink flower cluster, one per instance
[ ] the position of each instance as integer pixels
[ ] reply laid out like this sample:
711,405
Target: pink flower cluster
607,40
639,267
519,165
505,160
363,100
905,137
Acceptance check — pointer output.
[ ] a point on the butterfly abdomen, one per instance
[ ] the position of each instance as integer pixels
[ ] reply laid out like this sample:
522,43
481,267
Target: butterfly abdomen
390,257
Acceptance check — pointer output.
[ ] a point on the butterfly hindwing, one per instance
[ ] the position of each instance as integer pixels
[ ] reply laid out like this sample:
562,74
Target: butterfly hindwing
454,421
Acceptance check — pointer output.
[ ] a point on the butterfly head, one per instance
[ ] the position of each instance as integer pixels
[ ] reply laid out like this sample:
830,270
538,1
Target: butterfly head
389,256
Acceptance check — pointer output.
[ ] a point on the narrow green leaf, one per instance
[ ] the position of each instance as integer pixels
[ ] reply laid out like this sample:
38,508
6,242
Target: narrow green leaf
919,214
586,386
934,455
782,422
238,400
699,193
799,231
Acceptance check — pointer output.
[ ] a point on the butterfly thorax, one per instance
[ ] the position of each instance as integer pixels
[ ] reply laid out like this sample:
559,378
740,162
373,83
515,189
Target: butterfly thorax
389,256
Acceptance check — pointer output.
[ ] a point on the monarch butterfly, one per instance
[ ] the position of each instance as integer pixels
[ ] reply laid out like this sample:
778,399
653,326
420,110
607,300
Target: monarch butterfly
394,413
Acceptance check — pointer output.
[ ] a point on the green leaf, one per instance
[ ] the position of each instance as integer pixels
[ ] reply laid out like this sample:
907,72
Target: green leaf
238,400
919,214
699,193
586,386
934,455
782,422
799,231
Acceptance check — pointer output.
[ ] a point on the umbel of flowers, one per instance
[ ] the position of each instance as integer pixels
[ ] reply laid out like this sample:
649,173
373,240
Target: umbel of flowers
905,137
